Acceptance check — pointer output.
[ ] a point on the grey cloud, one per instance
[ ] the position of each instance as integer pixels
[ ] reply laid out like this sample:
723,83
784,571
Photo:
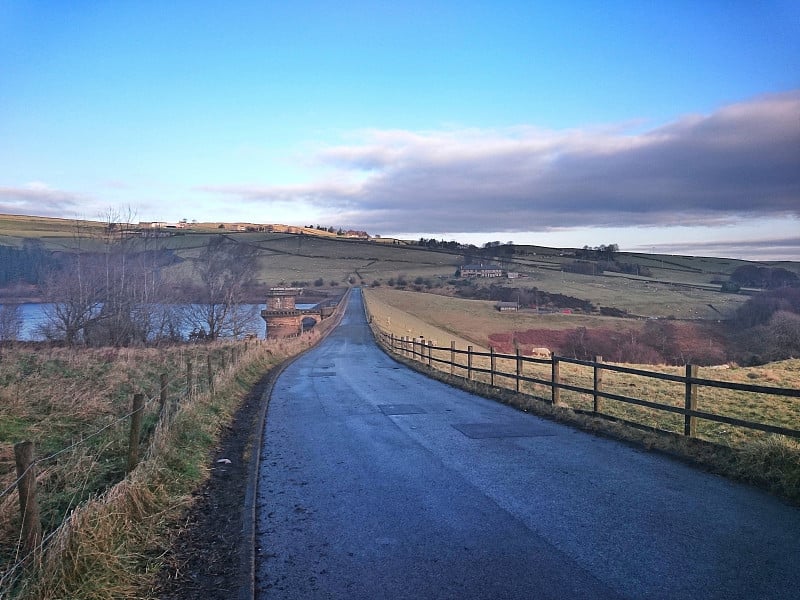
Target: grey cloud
37,199
778,249
744,159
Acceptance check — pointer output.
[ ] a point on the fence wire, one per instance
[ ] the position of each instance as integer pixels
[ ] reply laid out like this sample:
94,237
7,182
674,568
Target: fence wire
9,574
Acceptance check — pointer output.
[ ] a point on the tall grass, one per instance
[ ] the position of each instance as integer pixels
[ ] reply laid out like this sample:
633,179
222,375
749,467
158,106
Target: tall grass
106,530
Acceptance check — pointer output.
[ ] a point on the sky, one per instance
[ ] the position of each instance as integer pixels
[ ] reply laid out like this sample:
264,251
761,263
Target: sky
668,127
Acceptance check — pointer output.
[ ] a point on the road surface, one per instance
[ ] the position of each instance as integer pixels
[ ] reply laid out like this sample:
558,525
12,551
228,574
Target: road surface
377,482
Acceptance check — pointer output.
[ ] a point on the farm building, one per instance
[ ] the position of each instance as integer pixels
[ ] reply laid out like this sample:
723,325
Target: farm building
507,306
481,271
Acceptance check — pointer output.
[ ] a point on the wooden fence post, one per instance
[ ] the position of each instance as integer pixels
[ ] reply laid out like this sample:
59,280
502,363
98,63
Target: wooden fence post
162,397
469,362
136,429
690,421
519,368
28,505
430,353
555,379
189,377
210,372
391,341
452,356
598,383
492,365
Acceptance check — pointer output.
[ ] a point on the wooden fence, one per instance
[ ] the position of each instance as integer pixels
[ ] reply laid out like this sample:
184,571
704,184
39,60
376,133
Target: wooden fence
463,363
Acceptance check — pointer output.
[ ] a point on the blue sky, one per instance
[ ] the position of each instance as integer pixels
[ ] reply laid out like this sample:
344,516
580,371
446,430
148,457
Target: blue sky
672,127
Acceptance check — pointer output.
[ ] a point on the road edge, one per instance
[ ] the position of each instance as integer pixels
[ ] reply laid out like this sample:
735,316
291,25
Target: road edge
248,548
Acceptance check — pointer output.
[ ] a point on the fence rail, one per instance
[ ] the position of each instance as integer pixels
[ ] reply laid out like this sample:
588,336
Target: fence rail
423,351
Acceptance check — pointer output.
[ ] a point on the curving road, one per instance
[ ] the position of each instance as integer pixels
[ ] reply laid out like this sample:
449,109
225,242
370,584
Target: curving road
377,482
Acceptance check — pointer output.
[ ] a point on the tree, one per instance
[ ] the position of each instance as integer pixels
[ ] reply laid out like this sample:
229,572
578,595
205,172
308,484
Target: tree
10,322
224,268
74,299
784,334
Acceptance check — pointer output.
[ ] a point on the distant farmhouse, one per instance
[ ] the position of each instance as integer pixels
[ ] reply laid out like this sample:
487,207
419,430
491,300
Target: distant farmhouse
507,306
481,271
352,233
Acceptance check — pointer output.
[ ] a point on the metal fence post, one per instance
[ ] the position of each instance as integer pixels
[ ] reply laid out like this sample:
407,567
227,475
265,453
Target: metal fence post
469,362
493,365
519,368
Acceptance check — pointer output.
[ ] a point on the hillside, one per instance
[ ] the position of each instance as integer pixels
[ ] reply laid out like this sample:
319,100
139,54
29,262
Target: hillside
680,287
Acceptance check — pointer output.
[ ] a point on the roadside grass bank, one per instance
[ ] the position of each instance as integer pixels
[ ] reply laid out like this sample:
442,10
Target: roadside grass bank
106,533
768,461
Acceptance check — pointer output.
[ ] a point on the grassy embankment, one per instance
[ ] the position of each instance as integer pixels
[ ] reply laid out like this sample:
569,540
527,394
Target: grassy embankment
771,460
105,531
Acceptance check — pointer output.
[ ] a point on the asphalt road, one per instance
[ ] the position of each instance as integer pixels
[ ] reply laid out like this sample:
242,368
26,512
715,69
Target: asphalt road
377,482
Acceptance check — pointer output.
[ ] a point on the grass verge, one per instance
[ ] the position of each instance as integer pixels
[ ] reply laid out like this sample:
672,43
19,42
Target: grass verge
113,543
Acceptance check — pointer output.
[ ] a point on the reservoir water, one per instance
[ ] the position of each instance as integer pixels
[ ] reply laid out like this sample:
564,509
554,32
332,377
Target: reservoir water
34,314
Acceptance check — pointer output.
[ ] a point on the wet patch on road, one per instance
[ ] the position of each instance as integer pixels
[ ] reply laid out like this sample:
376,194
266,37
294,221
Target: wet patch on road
401,409
479,431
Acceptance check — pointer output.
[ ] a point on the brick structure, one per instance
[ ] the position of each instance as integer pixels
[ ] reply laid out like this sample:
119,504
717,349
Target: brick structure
283,318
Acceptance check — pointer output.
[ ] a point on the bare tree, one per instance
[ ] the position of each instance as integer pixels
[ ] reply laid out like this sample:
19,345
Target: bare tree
225,269
74,300
136,304
10,322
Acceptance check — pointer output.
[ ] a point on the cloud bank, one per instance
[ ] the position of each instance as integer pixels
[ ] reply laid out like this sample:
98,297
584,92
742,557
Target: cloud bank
37,199
740,161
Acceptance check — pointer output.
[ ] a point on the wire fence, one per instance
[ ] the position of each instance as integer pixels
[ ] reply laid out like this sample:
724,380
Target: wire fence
193,377
199,372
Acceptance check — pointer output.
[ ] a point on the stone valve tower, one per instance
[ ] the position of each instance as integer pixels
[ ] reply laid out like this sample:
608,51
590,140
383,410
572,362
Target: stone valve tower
283,318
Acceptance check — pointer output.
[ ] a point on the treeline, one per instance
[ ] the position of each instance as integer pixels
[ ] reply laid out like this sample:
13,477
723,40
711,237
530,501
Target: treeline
605,252
767,327
767,278
29,264
119,297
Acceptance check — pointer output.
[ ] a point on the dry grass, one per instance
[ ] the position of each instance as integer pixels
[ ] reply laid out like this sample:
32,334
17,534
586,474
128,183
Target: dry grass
476,320
115,529
106,532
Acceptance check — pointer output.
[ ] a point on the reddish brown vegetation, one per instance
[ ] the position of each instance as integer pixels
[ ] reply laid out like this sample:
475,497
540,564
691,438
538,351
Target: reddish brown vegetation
656,342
